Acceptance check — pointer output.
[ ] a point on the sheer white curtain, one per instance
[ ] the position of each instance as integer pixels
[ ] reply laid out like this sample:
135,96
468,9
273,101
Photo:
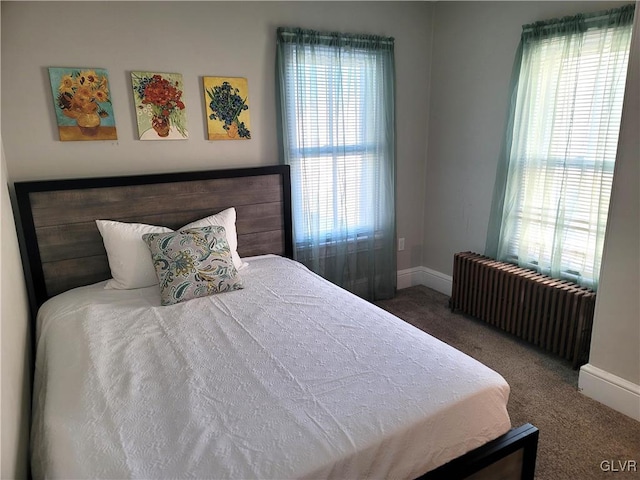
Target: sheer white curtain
337,128
565,124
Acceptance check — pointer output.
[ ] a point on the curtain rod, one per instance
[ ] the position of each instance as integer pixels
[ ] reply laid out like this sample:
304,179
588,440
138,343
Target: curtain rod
587,19
365,37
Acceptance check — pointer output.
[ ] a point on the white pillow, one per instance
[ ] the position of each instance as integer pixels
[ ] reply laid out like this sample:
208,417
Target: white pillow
129,259
227,219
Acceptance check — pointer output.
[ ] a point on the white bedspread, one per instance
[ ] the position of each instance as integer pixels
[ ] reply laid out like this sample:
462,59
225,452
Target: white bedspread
291,377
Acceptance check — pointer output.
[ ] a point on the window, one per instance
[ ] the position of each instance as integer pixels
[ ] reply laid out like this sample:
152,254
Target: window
564,140
334,143
337,111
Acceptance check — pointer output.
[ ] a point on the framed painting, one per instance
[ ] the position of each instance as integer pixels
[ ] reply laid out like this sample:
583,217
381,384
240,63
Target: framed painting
160,109
82,104
227,105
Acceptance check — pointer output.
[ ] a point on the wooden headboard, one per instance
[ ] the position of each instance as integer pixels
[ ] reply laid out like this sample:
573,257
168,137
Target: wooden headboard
63,246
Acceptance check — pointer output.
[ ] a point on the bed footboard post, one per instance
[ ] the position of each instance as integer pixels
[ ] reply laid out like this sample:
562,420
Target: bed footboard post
511,456
529,453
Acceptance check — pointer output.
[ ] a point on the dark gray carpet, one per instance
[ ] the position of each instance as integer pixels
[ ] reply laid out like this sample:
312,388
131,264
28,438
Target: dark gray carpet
576,432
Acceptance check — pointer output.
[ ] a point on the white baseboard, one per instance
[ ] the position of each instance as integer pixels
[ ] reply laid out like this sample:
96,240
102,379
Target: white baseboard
409,277
611,390
425,276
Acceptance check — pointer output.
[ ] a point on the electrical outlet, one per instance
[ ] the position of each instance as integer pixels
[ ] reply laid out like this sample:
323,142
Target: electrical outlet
401,244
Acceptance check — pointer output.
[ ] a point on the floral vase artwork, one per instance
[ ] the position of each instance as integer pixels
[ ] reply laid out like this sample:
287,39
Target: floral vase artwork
159,106
82,104
227,106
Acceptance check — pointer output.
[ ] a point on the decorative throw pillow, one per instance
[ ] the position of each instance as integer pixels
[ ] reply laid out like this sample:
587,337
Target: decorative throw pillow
192,263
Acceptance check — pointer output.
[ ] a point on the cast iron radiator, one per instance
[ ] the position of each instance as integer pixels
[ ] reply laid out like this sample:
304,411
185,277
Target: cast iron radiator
556,315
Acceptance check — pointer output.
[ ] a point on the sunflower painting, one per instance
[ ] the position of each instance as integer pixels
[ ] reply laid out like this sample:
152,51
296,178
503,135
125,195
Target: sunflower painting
82,104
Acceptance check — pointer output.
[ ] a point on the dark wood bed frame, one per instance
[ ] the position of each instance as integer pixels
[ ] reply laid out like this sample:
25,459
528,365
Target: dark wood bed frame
63,249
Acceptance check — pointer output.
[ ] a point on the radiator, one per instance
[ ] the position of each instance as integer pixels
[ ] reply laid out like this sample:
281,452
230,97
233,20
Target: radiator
556,315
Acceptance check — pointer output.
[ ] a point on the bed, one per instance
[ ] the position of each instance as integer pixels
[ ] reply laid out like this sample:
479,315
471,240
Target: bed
285,376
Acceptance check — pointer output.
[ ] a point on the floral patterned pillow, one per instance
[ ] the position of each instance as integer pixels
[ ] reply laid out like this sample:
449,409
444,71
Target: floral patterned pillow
192,263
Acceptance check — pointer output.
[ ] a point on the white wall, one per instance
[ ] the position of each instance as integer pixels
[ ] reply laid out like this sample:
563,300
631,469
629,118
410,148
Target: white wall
196,39
613,373
15,346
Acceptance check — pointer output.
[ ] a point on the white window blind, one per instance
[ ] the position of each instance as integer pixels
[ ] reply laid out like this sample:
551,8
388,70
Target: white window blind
568,113
335,149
